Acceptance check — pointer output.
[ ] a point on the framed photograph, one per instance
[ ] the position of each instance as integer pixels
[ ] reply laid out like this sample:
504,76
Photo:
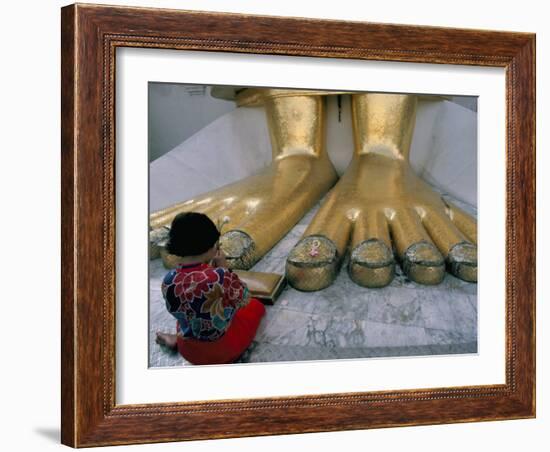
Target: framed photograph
282,225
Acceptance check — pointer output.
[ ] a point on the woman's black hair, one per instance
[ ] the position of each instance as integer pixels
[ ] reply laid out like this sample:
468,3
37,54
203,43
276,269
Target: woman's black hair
191,234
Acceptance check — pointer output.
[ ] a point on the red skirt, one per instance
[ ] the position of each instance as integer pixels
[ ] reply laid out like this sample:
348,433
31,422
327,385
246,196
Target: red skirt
232,344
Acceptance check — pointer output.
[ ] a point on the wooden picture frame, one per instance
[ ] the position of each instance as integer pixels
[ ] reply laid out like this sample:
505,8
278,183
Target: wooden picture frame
90,36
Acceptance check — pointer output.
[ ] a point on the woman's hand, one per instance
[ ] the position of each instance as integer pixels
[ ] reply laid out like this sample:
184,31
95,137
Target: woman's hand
219,259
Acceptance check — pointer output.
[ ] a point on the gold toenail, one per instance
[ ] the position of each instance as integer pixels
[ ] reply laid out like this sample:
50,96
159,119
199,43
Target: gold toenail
462,261
423,263
239,249
372,264
309,271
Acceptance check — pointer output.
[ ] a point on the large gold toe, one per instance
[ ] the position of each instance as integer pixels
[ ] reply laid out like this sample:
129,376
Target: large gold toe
239,249
372,264
312,264
462,261
424,264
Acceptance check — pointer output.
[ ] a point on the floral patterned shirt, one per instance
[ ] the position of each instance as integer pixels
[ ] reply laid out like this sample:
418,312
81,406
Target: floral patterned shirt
203,299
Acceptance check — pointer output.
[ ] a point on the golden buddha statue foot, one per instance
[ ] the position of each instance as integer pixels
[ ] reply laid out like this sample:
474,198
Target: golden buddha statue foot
256,212
382,212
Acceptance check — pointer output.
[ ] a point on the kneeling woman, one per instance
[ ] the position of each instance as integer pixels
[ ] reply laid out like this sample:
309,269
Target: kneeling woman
216,318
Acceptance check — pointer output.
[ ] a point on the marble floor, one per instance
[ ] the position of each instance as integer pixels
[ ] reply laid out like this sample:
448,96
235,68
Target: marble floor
343,321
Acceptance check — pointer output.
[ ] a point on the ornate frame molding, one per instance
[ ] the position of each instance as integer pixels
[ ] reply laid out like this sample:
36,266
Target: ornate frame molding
90,36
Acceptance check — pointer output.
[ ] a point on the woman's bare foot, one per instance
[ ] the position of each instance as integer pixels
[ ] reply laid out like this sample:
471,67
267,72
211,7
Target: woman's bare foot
167,339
